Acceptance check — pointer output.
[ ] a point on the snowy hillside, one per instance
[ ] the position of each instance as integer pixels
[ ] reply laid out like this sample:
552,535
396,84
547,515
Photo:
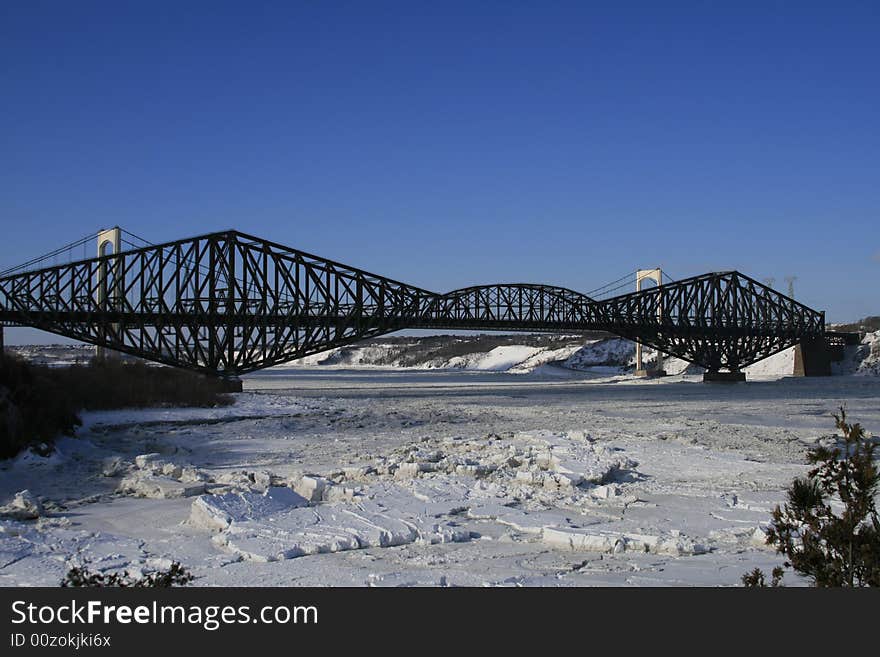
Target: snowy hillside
514,354
611,355
863,359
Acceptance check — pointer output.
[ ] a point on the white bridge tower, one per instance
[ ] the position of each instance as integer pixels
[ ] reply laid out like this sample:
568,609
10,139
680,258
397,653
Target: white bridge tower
109,243
655,275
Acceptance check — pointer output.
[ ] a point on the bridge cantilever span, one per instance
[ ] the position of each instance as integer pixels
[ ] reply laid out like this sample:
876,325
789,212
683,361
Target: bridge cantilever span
230,303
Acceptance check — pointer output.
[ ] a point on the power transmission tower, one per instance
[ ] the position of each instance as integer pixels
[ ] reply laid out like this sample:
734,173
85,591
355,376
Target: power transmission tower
769,281
790,280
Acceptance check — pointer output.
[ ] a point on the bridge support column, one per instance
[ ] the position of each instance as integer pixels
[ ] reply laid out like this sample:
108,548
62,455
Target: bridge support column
714,376
2,345
812,358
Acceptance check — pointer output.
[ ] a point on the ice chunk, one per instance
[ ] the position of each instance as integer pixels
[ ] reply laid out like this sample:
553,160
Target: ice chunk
583,540
143,484
759,537
339,494
409,470
311,487
172,470
262,479
146,461
24,506
605,492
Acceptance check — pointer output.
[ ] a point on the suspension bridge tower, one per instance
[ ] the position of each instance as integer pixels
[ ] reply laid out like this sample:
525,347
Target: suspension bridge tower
655,275
109,282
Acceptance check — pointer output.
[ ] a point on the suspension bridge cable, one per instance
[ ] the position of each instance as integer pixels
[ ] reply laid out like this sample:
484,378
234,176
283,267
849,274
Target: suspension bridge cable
137,237
614,289
52,254
622,278
623,282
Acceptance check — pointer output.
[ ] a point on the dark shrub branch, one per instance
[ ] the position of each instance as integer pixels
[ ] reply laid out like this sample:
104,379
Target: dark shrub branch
176,575
829,548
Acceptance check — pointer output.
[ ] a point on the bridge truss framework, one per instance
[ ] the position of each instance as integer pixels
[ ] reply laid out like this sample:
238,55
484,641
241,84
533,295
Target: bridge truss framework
229,303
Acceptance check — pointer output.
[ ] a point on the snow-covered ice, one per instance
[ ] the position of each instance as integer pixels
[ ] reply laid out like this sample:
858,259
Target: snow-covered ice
472,477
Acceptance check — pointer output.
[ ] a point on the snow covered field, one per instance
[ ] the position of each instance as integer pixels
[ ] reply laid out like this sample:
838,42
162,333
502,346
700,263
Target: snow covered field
358,477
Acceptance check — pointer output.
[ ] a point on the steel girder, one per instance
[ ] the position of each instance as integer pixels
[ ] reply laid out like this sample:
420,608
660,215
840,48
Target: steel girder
230,303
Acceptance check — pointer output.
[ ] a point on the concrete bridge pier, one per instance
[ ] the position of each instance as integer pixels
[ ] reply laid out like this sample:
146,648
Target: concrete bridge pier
812,358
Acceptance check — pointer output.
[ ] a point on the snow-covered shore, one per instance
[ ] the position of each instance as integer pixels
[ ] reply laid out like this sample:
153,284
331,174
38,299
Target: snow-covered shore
514,354
609,354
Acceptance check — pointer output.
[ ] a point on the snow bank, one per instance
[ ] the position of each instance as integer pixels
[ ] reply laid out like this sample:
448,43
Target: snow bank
870,349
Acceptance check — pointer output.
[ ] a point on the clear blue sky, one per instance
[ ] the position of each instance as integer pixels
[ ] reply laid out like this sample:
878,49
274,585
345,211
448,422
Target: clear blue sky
448,144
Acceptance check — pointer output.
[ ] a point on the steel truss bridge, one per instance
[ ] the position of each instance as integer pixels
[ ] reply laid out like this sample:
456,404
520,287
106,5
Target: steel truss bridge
229,303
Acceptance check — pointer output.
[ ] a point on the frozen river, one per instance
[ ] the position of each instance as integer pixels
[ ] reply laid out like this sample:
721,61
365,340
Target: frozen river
804,402
406,477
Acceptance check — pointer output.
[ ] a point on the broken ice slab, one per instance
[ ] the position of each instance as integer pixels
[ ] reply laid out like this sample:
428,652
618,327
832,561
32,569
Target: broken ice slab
280,525
143,484
328,528
591,540
421,497
217,512
311,487
528,522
